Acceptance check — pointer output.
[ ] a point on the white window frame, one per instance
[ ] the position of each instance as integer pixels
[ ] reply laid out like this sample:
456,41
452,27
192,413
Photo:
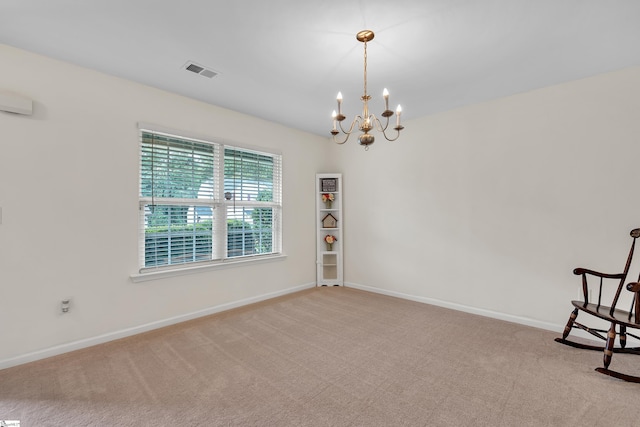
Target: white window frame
220,205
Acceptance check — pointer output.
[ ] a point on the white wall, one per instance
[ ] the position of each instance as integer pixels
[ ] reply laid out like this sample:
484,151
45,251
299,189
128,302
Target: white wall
486,208
68,194
490,207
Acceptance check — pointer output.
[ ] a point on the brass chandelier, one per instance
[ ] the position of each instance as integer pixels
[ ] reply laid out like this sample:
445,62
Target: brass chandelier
366,122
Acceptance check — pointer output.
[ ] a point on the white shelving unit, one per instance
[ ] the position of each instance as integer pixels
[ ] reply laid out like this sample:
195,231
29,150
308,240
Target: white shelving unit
329,260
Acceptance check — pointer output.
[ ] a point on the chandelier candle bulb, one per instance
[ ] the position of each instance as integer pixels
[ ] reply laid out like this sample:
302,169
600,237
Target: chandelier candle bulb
334,115
339,98
398,112
385,95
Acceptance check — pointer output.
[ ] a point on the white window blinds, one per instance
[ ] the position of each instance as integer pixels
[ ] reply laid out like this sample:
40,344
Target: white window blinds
198,205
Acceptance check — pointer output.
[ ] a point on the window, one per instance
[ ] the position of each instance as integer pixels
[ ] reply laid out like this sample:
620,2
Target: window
202,201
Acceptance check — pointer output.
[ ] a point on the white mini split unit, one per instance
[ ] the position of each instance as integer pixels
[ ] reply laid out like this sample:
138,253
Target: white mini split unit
16,104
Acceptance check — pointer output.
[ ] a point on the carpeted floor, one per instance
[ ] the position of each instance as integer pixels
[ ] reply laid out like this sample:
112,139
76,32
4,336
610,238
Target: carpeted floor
326,357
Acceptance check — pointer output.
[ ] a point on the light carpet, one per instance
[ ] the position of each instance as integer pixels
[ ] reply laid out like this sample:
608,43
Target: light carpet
326,357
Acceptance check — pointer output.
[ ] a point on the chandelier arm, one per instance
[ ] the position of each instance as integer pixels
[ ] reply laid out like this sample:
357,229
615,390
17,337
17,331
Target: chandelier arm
341,142
378,124
391,139
353,123
347,132
383,130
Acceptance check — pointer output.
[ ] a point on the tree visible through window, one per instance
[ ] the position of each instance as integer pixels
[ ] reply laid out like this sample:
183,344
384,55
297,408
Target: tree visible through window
198,204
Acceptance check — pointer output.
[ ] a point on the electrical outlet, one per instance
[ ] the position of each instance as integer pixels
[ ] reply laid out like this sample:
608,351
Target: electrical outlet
65,305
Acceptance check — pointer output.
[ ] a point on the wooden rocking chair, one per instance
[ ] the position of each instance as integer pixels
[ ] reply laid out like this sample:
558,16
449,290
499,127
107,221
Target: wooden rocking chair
611,314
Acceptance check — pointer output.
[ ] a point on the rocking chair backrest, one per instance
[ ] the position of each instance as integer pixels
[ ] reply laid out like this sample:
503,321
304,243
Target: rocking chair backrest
635,233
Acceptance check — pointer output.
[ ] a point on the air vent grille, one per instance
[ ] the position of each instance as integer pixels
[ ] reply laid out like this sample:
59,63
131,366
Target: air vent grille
199,69
195,68
208,73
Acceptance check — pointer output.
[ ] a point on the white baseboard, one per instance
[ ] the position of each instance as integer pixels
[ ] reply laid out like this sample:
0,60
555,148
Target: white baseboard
111,336
465,308
88,342
576,333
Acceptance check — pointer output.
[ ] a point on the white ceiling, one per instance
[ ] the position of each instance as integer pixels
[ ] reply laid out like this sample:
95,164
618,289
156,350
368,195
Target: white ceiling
285,60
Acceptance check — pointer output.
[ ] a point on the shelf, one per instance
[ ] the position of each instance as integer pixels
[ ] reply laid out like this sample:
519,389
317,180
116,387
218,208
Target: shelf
329,262
330,272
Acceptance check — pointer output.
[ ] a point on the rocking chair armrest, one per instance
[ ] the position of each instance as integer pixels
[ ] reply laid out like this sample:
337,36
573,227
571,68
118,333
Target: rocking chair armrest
581,271
633,286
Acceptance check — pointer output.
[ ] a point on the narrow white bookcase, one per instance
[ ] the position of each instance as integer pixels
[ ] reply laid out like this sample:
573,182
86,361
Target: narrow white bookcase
329,222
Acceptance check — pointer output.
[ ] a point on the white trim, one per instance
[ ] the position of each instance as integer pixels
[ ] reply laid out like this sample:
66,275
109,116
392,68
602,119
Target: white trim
553,327
101,339
465,308
183,269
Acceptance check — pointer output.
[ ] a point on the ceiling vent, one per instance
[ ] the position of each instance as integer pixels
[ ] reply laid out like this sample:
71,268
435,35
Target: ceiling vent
199,69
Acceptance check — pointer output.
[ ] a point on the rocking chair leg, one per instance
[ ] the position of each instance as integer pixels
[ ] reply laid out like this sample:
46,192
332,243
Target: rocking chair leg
608,353
567,328
623,336
608,350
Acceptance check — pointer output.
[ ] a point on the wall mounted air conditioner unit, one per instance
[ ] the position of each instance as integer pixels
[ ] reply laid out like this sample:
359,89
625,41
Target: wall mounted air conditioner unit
17,104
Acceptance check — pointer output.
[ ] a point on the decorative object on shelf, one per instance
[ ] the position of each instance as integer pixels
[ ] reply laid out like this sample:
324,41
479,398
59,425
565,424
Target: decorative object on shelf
328,184
366,122
329,221
328,198
330,240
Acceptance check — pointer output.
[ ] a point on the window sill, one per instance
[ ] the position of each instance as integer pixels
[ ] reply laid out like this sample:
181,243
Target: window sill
181,271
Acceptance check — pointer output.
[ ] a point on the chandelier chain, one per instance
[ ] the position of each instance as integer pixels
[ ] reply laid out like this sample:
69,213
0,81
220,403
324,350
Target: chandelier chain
365,69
